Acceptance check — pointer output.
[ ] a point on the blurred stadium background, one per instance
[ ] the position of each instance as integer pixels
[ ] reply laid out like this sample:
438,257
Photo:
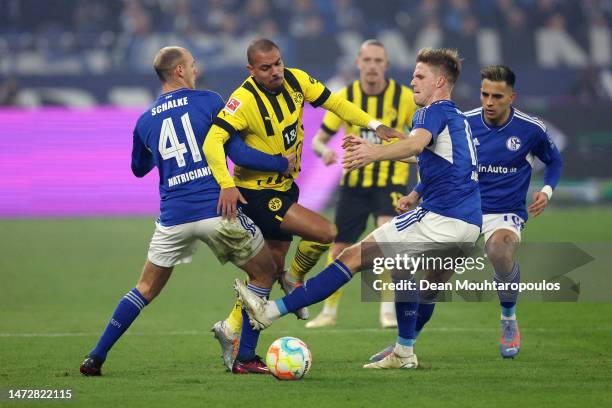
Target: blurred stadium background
96,55
76,74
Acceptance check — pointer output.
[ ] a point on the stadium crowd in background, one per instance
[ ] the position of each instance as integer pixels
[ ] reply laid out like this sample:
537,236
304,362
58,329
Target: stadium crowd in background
103,35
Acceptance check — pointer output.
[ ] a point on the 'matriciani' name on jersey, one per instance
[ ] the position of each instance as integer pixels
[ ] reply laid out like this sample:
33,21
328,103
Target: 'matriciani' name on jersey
173,103
189,176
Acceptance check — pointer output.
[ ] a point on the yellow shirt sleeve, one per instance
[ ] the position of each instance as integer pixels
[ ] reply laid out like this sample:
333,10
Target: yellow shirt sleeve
332,122
215,155
230,120
314,91
348,111
318,95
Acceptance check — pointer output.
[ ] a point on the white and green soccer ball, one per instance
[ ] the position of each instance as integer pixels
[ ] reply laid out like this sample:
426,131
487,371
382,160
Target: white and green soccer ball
288,358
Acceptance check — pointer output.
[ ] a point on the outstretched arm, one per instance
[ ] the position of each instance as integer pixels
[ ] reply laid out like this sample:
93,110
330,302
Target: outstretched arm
349,112
360,152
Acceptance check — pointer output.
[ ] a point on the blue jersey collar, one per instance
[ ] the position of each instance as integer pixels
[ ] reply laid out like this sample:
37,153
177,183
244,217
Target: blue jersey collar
500,127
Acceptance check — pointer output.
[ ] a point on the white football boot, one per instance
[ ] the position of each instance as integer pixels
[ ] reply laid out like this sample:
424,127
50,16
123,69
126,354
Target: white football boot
254,306
394,361
322,320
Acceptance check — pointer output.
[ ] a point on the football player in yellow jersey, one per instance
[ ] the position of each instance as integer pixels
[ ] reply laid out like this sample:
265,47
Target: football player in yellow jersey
376,188
267,111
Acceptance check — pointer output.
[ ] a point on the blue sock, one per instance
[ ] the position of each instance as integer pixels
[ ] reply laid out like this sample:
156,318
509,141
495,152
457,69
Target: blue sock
424,313
508,309
507,298
406,313
404,341
248,335
126,312
316,289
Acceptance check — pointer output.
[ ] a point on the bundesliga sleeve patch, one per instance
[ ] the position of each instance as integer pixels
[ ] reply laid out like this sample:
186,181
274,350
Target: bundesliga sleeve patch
232,105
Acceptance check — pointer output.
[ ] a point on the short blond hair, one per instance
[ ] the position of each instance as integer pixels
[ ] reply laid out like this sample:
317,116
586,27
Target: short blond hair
166,60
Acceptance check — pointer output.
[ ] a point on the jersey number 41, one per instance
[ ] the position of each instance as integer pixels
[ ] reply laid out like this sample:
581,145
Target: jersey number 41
170,146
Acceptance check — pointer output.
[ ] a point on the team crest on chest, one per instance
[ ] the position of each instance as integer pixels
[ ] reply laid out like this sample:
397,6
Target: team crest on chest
298,98
513,143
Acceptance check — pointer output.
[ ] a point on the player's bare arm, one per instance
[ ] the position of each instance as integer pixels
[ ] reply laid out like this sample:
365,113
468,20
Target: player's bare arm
540,201
292,160
410,160
386,133
360,152
319,146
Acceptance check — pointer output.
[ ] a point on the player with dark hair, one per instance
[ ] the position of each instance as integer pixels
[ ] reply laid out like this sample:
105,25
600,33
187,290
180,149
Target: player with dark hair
507,142
169,136
448,219
267,110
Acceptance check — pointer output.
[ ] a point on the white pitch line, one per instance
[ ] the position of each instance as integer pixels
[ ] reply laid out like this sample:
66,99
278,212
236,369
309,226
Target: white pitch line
305,331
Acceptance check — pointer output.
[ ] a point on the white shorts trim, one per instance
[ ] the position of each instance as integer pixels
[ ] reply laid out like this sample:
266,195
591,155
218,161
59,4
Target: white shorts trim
495,222
235,241
420,230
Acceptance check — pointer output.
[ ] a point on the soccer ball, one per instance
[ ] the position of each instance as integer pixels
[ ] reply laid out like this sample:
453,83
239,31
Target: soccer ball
288,358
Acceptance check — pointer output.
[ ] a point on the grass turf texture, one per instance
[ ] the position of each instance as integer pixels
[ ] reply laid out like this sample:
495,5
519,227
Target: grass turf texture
61,280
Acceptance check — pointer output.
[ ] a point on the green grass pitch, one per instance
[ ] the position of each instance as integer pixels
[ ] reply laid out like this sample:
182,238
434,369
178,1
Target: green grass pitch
62,278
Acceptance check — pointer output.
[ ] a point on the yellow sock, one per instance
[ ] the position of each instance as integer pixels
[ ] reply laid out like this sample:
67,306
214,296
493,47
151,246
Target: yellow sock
331,303
387,295
234,320
306,257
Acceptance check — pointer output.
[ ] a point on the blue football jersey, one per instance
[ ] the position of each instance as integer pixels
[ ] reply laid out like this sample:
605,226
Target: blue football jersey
169,135
448,166
506,155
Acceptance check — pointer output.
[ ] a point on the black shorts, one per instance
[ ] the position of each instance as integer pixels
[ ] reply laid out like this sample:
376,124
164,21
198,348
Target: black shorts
268,207
356,204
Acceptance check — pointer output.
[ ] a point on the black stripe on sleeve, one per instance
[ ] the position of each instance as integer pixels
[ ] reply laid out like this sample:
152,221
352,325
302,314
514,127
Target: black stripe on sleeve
397,93
224,125
322,98
328,130
262,108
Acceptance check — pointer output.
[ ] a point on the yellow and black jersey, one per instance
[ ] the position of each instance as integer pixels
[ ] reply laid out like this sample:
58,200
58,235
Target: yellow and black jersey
271,123
393,107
